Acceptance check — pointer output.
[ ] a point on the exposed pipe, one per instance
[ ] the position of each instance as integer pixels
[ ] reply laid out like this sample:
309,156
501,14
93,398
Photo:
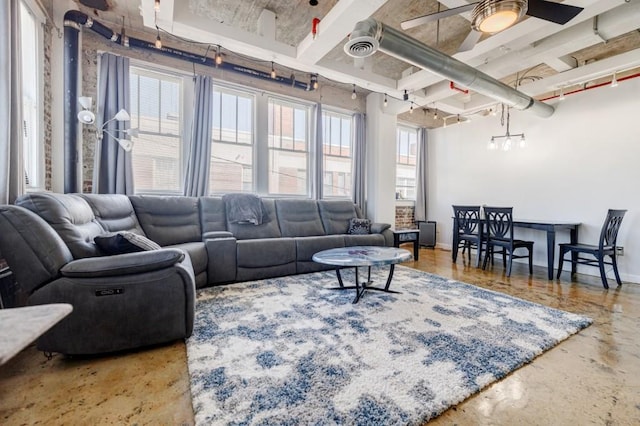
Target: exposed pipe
71,32
369,35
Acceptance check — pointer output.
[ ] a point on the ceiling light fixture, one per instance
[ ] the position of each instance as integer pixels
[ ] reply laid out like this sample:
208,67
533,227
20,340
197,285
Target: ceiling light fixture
273,71
561,97
492,16
507,144
313,2
614,80
354,95
385,102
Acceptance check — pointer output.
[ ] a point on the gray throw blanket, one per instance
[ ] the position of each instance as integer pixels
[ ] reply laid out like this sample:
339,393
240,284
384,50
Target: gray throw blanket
243,208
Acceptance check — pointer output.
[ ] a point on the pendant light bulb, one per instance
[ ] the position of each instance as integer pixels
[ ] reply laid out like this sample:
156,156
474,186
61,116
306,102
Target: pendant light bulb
614,80
492,144
354,95
158,42
411,108
156,5
523,142
273,71
385,103
218,56
435,114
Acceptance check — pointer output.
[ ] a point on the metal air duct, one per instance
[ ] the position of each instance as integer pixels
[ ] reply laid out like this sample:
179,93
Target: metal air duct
369,35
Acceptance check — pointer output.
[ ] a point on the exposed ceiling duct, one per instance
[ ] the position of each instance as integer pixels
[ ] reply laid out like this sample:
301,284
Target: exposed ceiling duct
369,35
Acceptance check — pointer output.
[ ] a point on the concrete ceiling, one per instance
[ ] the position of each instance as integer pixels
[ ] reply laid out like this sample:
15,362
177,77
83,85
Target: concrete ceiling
604,38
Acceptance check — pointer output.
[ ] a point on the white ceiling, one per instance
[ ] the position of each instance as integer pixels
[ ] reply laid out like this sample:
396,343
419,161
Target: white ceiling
604,38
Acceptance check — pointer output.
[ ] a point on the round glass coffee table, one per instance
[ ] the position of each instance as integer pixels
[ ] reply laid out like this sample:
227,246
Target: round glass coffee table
353,257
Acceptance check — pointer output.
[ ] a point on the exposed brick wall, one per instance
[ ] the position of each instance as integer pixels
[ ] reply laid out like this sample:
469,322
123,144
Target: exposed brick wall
47,130
405,218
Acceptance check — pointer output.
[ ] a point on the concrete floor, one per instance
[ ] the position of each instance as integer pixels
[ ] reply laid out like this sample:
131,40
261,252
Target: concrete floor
592,378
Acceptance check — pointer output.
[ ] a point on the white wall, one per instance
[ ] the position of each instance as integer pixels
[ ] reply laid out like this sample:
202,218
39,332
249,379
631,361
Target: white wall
577,164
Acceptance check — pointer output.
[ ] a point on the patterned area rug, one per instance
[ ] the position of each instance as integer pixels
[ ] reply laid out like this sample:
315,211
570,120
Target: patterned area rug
290,351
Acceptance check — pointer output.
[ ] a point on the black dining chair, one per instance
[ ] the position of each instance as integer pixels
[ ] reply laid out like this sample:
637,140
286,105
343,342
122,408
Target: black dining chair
499,233
467,232
606,247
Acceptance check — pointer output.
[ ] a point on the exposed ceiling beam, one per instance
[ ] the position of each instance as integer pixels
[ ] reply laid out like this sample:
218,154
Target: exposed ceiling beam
334,27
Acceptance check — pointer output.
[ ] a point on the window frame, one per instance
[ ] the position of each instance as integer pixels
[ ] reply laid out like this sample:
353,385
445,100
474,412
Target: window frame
38,148
186,112
402,127
340,114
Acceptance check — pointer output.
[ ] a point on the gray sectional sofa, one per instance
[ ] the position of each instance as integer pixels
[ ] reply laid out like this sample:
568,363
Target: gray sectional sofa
137,299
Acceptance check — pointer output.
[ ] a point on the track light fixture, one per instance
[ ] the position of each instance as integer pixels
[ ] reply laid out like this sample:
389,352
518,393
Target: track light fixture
614,80
273,71
354,95
405,96
561,97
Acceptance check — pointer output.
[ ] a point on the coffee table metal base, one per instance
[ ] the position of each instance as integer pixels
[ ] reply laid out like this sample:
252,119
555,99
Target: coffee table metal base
362,287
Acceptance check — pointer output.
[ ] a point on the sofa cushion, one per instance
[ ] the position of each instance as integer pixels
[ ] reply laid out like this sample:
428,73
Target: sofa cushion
266,252
168,220
198,254
299,218
212,214
335,215
114,212
124,242
359,226
71,217
364,240
306,247
268,229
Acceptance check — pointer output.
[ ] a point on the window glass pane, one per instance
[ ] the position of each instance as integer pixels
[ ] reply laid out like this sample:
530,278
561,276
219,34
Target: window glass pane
288,148
30,57
157,150
407,142
337,161
232,146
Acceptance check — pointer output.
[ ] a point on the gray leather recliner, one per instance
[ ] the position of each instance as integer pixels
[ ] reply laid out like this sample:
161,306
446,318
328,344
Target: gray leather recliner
119,302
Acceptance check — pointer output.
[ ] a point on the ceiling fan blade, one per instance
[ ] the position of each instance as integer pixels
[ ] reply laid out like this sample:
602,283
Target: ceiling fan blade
405,25
470,41
559,13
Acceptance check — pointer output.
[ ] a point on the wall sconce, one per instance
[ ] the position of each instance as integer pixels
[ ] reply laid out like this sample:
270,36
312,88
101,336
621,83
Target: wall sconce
86,116
507,143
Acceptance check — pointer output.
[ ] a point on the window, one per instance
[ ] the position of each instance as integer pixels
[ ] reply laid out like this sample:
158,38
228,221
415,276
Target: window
336,155
32,105
156,111
407,147
232,145
288,141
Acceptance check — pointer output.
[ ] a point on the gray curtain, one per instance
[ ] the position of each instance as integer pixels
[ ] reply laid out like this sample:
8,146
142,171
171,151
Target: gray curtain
196,180
359,162
422,181
113,171
11,162
319,175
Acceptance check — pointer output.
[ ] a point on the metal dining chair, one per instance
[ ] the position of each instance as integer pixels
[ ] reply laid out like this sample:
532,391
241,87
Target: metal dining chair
467,232
499,233
606,247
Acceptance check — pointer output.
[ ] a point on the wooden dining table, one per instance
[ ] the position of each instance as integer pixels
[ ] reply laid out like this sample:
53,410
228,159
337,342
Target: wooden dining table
551,227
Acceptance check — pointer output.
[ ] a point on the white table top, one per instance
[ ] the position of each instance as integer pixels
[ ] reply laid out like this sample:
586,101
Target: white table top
21,326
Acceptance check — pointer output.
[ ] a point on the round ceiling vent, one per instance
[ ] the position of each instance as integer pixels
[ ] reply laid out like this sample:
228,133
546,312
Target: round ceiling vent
361,46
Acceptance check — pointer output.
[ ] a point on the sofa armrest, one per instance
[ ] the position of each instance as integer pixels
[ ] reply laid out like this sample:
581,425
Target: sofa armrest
378,228
222,262
216,234
122,264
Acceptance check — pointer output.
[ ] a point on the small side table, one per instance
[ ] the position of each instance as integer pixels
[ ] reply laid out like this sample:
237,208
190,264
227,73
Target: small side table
408,236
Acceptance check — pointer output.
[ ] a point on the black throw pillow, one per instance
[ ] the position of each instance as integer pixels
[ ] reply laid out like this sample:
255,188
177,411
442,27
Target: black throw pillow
124,242
359,226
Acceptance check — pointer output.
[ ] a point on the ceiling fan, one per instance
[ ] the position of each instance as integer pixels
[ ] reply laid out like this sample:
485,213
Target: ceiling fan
492,16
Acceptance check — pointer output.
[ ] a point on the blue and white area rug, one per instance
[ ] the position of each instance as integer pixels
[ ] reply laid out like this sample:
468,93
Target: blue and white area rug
289,351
